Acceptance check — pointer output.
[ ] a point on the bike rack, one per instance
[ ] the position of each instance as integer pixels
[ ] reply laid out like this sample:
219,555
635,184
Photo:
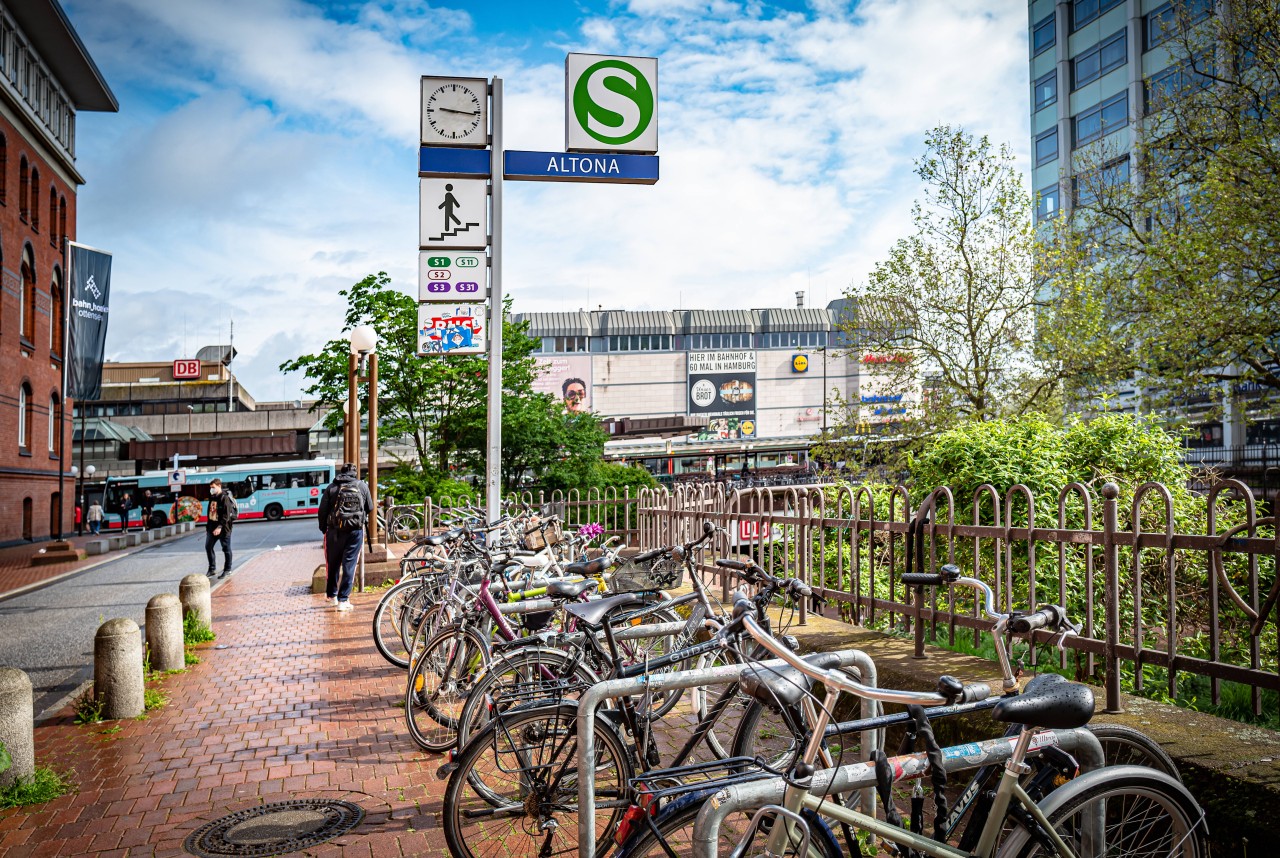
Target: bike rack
614,688
1081,743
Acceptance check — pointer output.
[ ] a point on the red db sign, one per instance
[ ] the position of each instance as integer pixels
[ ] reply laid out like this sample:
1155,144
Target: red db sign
184,370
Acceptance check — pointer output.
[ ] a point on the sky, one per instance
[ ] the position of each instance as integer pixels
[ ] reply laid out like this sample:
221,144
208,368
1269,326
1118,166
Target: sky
265,153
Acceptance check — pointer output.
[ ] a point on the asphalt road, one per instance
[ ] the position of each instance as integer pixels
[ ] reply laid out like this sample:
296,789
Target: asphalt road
49,632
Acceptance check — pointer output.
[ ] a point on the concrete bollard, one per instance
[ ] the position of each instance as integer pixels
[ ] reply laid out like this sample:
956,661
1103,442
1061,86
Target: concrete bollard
164,632
194,592
133,539
147,536
117,669
116,542
96,546
17,717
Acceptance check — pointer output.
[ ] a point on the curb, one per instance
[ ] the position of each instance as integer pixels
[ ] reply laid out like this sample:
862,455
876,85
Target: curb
71,573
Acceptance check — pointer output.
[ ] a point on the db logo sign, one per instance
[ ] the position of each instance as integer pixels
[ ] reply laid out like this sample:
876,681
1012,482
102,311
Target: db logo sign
184,370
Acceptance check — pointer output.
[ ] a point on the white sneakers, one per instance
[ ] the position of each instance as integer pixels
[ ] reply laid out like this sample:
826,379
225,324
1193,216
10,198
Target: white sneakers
345,606
331,600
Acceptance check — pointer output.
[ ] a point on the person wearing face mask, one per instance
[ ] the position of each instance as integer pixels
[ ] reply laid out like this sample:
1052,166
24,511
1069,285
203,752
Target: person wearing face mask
217,526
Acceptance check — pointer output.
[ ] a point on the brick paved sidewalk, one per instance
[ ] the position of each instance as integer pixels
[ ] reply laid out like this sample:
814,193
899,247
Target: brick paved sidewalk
300,705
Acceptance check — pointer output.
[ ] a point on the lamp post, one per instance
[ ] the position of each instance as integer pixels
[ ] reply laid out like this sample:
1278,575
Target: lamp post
191,409
364,345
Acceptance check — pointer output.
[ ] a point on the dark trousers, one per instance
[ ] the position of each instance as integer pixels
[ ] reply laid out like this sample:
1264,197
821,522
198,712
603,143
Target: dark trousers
341,551
210,540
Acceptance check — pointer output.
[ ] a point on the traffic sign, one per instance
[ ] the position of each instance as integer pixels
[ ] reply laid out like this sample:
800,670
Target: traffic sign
611,103
450,276
572,167
453,213
179,476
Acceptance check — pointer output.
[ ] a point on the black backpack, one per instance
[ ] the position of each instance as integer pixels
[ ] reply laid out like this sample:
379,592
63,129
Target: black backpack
347,510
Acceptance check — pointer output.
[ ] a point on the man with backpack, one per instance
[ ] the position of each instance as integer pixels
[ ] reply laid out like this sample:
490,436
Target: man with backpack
217,526
345,506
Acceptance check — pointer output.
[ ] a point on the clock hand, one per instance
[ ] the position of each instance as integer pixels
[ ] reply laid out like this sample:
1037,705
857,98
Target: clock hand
463,112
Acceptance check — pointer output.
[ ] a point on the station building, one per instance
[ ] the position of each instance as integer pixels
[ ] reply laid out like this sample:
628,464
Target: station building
46,78
711,391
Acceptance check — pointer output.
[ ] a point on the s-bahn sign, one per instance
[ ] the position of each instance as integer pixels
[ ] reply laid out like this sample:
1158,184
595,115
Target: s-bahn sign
611,104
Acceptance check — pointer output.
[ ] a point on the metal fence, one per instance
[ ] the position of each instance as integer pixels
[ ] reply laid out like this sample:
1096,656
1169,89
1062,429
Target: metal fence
1155,604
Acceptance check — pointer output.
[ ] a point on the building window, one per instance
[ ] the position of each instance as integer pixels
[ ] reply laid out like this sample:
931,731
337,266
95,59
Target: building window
1172,82
700,342
62,221
35,200
1045,91
53,424
1103,119
569,344
1109,54
53,216
24,187
28,303
1102,182
24,415
794,340
1043,36
640,343
56,322
1085,11
1164,21
1047,203
4,168
1047,147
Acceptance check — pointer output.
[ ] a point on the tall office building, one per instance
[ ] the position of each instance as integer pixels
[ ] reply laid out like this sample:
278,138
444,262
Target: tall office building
1096,66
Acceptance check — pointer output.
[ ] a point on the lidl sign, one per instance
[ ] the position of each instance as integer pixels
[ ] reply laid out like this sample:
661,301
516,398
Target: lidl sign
611,104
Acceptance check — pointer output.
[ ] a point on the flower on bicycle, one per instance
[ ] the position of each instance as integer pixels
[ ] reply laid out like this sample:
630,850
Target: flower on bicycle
591,531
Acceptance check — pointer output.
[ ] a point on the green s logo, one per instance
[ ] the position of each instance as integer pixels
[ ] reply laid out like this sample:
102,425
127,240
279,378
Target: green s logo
613,102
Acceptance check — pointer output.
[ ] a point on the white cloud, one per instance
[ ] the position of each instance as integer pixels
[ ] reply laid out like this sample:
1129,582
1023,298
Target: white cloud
263,158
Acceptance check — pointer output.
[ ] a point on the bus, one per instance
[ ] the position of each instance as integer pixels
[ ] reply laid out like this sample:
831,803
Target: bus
269,490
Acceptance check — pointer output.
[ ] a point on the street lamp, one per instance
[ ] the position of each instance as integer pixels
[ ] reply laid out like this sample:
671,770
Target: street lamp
364,343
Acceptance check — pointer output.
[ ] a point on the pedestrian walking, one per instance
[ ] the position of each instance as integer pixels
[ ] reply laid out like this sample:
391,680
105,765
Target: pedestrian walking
95,517
126,506
217,526
345,507
146,505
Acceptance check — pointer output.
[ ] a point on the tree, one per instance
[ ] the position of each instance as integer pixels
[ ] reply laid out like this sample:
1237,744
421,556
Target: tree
1168,267
438,403
953,307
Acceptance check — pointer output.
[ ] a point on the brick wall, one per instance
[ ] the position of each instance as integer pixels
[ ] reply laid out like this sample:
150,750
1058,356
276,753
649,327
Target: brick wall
31,472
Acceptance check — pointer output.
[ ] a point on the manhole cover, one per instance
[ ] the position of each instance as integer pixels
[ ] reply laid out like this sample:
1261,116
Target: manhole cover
275,829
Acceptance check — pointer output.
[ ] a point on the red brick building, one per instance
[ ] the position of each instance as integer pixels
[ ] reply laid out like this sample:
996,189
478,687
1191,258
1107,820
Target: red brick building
46,78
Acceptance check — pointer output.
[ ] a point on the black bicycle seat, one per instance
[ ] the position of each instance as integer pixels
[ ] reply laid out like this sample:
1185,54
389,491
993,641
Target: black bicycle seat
785,685
593,613
441,538
1049,701
570,589
587,567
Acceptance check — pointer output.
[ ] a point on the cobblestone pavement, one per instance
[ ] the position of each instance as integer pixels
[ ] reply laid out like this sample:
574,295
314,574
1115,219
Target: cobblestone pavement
299,705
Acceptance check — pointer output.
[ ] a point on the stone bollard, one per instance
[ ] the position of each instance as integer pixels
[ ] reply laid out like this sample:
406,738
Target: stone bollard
164,632
17,717
194,592
117,669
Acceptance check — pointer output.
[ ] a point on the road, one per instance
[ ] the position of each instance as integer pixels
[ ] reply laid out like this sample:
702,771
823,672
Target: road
49,632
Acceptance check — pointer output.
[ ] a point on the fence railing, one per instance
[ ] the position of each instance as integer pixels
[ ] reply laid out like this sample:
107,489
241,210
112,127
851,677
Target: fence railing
1155,604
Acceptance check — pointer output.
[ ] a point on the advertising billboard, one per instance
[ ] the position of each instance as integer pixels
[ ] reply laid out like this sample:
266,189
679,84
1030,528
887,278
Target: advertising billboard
722,387
568,379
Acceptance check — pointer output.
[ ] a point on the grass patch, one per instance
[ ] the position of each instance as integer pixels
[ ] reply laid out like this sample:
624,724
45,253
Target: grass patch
153,698
44,785
194,631
88,709
110,731
190,657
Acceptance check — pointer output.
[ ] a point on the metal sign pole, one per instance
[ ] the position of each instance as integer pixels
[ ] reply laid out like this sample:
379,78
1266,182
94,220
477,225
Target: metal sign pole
493,460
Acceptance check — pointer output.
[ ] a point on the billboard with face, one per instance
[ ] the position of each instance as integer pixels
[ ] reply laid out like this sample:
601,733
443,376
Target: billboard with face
568,379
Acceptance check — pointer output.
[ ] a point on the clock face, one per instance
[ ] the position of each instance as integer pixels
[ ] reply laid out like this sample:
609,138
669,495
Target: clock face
454,112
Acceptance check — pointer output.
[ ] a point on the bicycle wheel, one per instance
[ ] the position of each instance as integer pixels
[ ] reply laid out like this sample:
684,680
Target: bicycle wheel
1117,812
763,732
527,761
675,829
1125,746
405,526
641,649
438,685
388,618
515,679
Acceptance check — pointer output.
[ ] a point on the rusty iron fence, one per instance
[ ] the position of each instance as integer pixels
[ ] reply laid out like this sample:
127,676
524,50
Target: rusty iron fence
1154,603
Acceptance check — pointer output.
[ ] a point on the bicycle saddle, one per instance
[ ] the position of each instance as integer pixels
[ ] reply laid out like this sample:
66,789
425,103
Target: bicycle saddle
593,613
440,538
783,686
587,567
1049,701
570,589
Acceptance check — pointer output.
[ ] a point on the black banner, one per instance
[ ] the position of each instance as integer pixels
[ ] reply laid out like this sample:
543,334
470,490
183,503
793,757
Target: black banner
88,309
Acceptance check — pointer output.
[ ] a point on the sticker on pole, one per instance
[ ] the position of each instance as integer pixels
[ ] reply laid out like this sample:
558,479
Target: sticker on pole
611,103
447,329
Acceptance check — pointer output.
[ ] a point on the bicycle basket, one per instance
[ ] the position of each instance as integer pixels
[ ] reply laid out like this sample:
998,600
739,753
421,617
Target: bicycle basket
538,535
665,574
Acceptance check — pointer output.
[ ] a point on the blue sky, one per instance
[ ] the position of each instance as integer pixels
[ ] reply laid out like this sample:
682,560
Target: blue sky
264,154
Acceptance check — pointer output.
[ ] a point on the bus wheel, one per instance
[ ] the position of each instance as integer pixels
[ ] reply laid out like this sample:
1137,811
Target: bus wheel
158,519
273,512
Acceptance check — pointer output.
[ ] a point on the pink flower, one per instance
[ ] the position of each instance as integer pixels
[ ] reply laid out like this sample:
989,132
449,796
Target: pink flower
591,531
